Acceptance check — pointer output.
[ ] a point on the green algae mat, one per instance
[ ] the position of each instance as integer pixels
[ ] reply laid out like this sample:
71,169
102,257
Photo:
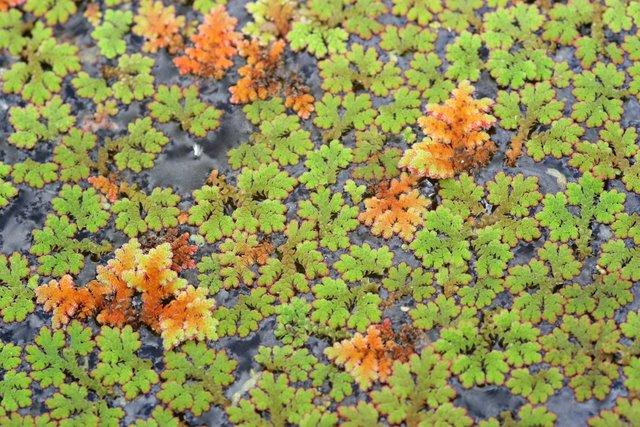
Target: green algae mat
319,213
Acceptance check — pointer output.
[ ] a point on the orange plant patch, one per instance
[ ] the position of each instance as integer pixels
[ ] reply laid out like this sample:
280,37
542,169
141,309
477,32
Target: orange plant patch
396,208
456,138
214,46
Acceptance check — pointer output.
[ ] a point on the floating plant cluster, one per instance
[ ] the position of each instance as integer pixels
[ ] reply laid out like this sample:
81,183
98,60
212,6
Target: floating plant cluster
405,204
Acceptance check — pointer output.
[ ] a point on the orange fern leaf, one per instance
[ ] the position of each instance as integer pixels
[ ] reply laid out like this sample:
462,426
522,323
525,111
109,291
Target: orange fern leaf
183,217
430,159
363,356
461,120
101,119
169,306
279,15
65,300
258,79
399,345
115,304
214,46
397,208
6,4
182,258
300,101
156,281
180,248
264,75
456,136
92,13
106,186
152,272
259,254
270,57
188,316
159,26
116,309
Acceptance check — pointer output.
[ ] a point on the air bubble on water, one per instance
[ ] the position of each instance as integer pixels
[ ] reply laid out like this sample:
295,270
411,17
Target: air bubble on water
197,150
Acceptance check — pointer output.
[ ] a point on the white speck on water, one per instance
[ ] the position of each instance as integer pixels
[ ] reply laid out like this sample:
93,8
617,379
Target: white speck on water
197,150
246,386
560,178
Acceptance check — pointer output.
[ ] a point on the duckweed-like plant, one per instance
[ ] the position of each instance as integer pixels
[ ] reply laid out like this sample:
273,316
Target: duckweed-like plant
319,213
41,65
